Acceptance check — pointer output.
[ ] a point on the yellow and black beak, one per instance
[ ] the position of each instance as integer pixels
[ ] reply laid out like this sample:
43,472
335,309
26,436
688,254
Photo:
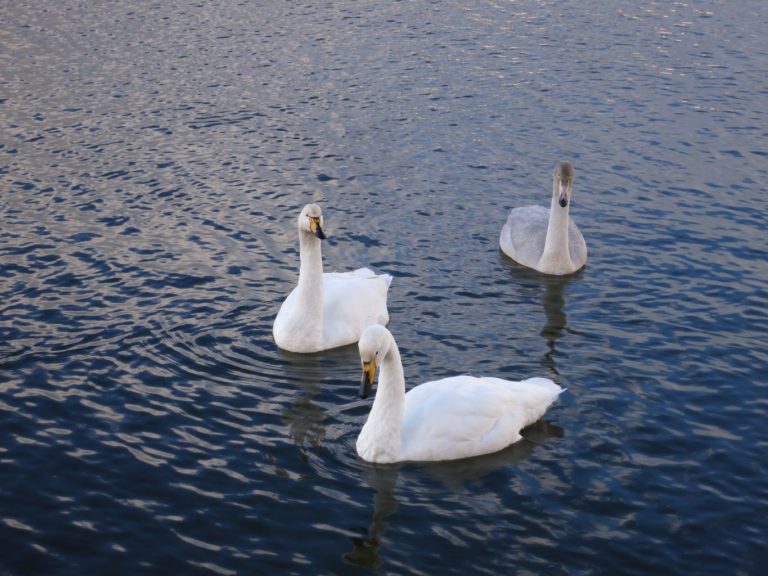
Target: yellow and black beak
366,382
314,225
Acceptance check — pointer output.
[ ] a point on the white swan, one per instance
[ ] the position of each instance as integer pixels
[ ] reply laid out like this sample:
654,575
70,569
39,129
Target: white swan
444,419
546,240
327,310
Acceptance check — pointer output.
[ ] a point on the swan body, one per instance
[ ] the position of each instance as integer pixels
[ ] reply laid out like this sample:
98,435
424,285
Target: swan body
546,240
327,310
446,419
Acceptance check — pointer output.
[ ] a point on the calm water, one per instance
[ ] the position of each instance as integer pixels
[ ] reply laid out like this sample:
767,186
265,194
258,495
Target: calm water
153,159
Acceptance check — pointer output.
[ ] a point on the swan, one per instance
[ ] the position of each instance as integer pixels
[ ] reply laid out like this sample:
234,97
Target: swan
327,310
546,240
446,419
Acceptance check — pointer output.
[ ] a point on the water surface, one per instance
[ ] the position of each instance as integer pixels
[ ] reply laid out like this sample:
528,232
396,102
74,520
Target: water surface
153,160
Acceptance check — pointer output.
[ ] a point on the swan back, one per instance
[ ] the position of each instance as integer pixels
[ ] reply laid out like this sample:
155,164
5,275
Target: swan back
352,302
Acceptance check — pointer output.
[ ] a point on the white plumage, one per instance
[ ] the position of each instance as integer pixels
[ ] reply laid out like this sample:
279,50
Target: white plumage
546,240
446,419
327,310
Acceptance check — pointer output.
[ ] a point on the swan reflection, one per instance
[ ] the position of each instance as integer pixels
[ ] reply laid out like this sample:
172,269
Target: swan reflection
553,301
453,474
382,478
305,416
552,294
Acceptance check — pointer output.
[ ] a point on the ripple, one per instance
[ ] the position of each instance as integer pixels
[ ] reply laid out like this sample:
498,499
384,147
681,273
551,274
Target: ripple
149,237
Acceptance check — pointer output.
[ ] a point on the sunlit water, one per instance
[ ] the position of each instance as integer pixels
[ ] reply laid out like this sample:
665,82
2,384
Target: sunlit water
154,157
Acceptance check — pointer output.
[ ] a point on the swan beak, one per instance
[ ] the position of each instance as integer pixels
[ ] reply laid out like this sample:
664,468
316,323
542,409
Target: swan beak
314,226
366,382
565,192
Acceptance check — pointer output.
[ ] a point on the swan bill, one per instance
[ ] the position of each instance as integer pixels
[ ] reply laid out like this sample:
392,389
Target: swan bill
564,178
366,382
314,226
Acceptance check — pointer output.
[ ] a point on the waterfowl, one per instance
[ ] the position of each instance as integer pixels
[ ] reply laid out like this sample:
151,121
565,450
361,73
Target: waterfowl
446,419
327,310
546,240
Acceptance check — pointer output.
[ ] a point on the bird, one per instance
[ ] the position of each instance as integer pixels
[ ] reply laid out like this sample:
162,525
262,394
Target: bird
327,310
447,419
546,240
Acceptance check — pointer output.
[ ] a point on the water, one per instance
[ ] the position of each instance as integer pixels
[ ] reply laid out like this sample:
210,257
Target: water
154,157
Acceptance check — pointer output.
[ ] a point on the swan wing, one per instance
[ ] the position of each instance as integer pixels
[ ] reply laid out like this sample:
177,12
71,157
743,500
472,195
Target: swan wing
576,244
288,326
466,416
523,235
525,232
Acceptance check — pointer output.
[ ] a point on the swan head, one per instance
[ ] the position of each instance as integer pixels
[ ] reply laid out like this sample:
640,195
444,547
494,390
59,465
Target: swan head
563,182
311,221
373,346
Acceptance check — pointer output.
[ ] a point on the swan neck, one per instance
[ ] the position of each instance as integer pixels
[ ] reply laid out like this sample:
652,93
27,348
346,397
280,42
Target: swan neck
391,378
386,417
310,287
556,243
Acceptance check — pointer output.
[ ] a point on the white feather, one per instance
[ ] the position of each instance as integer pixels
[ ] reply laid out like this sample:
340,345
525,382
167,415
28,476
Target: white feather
546,240
446,419
328,310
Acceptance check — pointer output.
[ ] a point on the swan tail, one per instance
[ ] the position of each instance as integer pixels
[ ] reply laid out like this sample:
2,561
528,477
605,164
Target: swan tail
545,383
542,392
368,273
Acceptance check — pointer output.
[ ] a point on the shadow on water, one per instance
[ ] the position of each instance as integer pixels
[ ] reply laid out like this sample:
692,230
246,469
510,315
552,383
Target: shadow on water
452,474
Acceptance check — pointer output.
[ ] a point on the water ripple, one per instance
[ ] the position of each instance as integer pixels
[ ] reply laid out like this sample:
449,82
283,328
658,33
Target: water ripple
152,169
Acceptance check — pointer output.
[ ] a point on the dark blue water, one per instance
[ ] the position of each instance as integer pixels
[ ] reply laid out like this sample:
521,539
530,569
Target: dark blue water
153,159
